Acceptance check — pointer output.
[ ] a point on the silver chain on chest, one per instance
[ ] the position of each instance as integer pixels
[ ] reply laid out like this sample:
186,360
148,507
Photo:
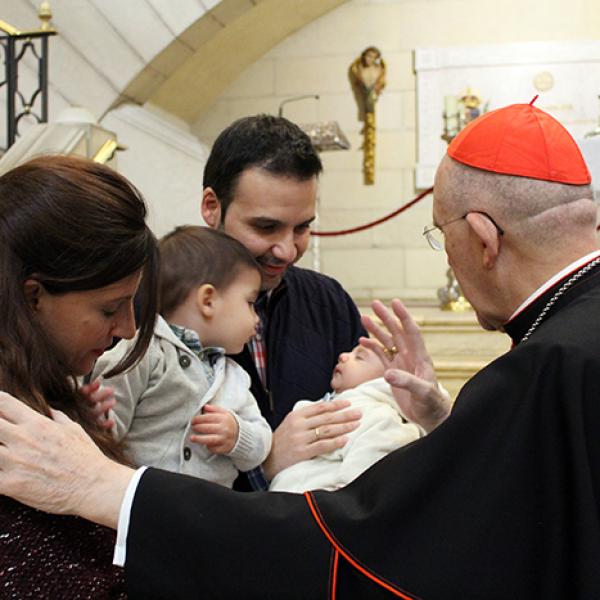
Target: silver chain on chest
563,288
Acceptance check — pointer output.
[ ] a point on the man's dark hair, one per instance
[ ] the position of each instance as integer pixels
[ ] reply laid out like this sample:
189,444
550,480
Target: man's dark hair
271,143
191,256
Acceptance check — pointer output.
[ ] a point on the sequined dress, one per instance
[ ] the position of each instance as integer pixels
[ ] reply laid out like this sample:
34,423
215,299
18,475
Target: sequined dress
50,557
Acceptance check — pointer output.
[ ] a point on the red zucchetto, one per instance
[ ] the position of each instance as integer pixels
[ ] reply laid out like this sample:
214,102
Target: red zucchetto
522,140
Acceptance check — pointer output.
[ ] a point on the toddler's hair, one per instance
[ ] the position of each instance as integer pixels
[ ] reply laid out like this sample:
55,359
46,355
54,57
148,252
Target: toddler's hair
191,256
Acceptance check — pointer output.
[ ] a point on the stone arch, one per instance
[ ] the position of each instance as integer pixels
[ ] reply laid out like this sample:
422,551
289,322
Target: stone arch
177,55
215,49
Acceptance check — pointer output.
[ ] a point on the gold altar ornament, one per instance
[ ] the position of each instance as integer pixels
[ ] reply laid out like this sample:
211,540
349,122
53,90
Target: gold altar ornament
458,112
367,77
451,296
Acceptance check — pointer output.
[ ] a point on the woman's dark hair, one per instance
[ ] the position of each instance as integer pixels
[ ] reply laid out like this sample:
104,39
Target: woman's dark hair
272,143
72,225
191,256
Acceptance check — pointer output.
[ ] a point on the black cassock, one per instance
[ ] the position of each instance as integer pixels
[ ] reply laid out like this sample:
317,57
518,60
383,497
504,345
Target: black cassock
499,502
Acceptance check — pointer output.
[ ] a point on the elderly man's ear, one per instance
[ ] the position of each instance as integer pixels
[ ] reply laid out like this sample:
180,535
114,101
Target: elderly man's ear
488,236
211,208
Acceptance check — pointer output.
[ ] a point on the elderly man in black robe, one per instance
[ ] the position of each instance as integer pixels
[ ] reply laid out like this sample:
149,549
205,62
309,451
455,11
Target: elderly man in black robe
500,500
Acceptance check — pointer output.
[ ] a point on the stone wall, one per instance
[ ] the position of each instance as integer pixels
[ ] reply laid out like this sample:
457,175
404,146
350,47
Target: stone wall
391,259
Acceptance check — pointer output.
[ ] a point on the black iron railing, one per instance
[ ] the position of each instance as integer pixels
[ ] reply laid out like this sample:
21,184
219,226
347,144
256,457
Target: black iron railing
16,46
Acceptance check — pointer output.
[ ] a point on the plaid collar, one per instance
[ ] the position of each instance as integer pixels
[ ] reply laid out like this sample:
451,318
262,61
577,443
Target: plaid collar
265,297
192,341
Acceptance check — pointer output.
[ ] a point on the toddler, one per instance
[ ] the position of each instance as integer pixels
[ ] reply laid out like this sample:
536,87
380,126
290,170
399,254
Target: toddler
358,377
185,406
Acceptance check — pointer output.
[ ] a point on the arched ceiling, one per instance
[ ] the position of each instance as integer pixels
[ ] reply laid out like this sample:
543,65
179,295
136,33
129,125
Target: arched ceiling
205,58
179,55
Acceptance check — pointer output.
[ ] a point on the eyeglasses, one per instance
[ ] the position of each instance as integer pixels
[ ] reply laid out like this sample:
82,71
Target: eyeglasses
431,231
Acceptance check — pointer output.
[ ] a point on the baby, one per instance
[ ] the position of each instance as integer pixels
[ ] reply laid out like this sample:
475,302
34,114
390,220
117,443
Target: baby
357,377
185,406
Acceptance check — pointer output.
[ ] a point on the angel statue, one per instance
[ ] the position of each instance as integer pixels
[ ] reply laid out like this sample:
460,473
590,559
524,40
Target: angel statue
367,76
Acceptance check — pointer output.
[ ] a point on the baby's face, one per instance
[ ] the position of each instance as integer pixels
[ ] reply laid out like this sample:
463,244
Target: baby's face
234,319
356,367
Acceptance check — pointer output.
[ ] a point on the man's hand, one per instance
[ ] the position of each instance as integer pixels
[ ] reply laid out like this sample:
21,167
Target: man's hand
53,465
410,370
216,428
308,432
102,398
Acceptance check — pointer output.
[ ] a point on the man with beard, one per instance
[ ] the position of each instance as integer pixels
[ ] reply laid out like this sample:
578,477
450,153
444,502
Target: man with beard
260,187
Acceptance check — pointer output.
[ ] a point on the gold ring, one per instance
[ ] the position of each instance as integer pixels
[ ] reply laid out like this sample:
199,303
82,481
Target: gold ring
317,434
390,352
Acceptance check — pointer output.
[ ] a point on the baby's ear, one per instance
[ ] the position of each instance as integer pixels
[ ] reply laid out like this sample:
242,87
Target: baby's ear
205,299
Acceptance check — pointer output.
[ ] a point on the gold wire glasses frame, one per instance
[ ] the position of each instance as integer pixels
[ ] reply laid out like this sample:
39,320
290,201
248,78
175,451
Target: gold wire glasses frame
430,231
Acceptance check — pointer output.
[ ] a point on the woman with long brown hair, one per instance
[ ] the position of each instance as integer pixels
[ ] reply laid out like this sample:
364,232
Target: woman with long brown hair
74,247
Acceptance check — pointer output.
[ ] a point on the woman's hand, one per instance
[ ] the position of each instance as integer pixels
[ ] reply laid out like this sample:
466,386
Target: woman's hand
410,369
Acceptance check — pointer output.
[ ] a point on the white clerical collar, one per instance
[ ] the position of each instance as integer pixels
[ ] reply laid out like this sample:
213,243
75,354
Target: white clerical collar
574,266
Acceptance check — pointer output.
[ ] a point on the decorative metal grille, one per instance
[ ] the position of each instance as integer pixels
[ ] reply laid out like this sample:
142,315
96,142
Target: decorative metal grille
17,45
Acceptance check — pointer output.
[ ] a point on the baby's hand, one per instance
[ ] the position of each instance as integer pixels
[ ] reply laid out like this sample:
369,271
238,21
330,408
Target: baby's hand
217,429
102,400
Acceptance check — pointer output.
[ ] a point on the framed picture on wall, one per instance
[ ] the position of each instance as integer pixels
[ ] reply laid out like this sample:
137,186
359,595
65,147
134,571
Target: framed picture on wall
565,75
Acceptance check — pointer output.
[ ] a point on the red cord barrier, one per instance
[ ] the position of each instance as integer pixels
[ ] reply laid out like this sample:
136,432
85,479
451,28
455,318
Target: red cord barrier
382,220
373,223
